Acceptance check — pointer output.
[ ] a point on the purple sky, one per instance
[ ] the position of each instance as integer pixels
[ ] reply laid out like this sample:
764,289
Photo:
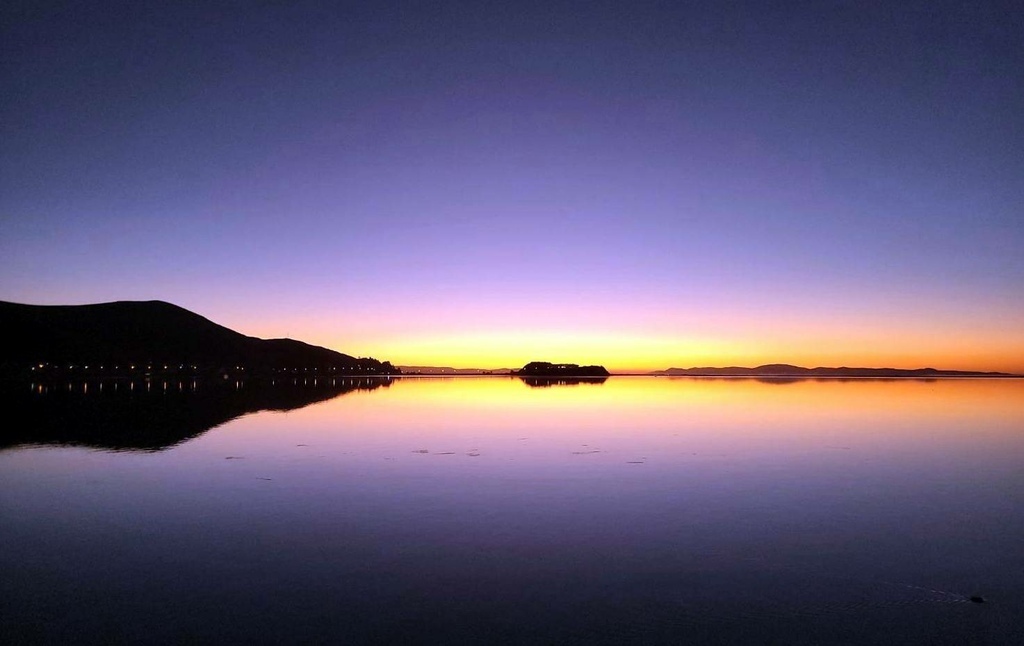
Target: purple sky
637,184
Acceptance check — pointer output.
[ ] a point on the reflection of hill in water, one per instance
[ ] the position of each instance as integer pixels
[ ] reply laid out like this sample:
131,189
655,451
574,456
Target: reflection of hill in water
154,415
547,382
780,381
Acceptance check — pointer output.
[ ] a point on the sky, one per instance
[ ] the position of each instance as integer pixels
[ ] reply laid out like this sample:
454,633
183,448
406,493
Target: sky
472,184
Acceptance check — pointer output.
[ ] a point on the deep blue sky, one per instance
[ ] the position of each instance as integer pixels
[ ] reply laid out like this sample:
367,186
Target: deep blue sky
633,183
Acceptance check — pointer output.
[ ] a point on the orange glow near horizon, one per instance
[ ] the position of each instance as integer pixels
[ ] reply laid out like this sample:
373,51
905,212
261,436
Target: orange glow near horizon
624,353
624,344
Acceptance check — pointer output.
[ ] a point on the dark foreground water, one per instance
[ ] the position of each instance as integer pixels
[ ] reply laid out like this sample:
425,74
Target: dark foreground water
644,510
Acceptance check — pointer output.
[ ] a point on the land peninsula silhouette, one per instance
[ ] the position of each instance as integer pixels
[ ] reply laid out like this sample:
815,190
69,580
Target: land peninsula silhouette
138,338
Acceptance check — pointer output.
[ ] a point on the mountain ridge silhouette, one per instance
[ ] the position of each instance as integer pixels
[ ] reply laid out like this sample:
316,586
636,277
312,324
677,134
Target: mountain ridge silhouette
129,336
788,370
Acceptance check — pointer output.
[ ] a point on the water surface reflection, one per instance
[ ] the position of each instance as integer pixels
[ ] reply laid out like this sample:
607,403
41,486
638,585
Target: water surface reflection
479,510
152,414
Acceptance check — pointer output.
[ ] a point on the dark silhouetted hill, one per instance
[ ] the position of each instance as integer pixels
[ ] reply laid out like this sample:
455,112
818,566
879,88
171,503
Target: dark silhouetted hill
786,370
151,336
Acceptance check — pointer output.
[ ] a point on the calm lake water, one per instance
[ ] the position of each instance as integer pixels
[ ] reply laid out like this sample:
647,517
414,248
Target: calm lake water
481,510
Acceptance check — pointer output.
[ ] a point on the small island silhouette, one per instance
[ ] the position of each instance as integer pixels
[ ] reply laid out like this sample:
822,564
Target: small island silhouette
556,370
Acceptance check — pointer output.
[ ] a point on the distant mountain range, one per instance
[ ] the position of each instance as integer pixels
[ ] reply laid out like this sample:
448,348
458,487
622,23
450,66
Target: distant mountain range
135,337
447,370
539,369
769,370
786,370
